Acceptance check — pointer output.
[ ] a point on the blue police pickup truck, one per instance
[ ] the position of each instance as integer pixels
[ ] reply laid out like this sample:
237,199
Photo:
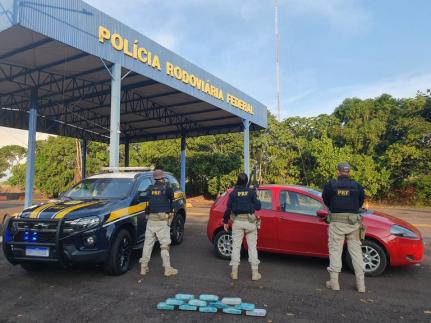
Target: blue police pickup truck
101,220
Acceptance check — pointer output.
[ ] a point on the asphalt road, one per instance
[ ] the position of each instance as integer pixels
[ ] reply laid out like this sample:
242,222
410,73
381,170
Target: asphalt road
292,290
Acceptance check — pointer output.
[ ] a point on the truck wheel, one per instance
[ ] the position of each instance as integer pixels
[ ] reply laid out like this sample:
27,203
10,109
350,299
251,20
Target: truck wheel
120,254
177,229
223,244
375,258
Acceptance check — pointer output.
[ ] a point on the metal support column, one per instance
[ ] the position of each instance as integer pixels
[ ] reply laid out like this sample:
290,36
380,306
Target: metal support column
246,147
183,163
83,158
32,124
126,154
114,143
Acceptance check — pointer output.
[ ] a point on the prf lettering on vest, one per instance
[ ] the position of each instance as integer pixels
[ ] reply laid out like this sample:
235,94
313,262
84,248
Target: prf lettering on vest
343,192
156,192
242,194
132,50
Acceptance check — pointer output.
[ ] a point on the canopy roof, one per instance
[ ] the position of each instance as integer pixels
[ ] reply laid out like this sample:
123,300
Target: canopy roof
62,51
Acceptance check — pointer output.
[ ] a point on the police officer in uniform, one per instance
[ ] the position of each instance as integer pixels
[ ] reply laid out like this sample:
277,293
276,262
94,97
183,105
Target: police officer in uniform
159,197
344,197
241,207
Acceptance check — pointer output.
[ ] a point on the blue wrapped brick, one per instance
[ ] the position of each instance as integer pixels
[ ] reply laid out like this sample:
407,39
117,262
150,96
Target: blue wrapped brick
256,312
218,305
209,298
165,307
174,301
187,307
184,297
208,309
232,310
245,306
197,302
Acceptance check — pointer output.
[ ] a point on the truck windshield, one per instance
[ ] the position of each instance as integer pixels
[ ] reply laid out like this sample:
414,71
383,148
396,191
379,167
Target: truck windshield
101,188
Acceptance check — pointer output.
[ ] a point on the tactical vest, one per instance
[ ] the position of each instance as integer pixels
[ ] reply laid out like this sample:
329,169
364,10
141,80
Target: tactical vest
242,201
345,196
158,200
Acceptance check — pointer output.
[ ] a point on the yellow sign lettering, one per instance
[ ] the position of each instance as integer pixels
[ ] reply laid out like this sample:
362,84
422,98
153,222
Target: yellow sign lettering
117,42
104,34
142,55
169,69
136,51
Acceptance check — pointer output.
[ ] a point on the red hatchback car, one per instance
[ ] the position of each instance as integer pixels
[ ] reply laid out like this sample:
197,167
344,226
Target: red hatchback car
293,223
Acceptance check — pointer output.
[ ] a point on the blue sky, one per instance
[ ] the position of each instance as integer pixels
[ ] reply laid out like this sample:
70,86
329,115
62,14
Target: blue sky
330,49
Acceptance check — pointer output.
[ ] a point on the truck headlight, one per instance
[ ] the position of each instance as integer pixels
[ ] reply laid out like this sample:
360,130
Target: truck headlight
81,224
400,231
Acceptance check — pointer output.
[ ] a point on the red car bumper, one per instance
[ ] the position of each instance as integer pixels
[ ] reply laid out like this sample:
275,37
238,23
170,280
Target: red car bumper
404,251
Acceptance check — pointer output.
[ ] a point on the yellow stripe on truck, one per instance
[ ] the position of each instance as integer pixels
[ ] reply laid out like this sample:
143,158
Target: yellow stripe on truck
179,195
37,211
65,212
126,211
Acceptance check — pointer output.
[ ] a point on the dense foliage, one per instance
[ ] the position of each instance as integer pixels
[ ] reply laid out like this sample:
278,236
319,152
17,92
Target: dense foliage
386,140
10,156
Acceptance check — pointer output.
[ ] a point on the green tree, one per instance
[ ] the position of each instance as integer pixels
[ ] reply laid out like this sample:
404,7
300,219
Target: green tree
10,156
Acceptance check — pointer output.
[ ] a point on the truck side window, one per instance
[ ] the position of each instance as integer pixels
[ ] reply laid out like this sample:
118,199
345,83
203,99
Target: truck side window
145,183
173,183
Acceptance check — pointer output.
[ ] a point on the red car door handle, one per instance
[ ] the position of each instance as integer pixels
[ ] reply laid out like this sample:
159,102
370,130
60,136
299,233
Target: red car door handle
284,218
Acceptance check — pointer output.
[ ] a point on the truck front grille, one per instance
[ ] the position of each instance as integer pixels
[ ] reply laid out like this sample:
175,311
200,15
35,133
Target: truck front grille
35,231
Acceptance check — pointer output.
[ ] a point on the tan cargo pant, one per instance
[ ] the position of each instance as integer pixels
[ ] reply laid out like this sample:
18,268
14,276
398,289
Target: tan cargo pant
338,232
239,229
156,230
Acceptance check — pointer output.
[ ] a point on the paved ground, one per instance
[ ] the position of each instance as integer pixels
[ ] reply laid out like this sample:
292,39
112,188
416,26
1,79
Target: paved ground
291,289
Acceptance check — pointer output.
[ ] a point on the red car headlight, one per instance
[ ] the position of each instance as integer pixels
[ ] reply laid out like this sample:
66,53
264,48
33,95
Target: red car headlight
400,231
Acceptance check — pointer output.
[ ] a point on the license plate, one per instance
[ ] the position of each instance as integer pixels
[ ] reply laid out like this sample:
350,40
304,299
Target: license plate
37,251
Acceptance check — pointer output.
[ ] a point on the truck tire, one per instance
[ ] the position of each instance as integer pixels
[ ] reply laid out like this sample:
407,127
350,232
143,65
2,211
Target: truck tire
120,255
177,229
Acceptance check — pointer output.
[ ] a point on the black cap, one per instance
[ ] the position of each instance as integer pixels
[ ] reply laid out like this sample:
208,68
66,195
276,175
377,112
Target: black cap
343,167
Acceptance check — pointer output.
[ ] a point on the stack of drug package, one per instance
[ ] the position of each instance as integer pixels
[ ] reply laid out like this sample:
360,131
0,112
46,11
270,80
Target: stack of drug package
210,304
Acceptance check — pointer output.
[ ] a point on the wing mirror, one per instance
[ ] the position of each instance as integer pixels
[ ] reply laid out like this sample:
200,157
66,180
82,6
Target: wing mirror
322,213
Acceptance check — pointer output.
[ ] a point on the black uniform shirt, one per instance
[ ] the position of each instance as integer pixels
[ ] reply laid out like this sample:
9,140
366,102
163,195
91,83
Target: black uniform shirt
242,200
343,195
159,197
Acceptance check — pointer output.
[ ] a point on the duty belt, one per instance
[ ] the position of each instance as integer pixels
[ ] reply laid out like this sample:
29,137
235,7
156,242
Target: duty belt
160,216
348,218
245,217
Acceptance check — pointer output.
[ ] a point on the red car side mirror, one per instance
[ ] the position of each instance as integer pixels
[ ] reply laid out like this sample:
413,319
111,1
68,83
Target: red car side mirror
322,213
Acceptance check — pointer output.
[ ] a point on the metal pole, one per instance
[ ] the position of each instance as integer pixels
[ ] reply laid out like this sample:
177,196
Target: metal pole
83,158
16,6
114,144
277,62
126,154
183,163
246,147
32,124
